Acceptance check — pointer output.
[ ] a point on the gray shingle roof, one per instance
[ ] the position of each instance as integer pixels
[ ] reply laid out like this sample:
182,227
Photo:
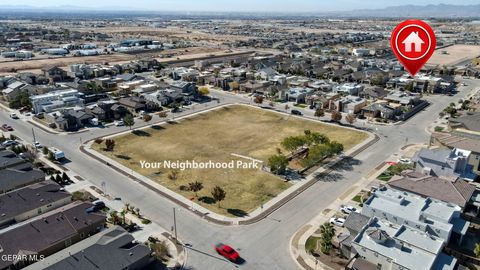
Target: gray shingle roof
47,230
109,249
29,198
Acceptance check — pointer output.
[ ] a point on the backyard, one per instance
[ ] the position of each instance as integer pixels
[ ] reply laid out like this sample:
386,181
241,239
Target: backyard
230,133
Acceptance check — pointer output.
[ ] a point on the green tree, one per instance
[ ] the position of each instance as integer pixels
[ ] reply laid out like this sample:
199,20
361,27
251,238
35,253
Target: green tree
218,194
65,177
314,138
409,87
477,250
58,178
292,143
278,164
327,232
203,91
129,121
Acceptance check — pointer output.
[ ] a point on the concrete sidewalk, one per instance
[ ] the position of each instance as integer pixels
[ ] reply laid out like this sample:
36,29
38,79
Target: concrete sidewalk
208,215
177,251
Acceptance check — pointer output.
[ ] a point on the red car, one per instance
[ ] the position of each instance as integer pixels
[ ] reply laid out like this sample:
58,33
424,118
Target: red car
227,252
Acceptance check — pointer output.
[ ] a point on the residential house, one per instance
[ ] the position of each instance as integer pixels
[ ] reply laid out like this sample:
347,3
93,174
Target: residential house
254,86
49,233
31,201
350,104
55,100
55,74
389,245
13,90
353,89
132,104
454,190
458,140
431,216
111,249
380,110
297,95
444,162
16,172
69,120
374,93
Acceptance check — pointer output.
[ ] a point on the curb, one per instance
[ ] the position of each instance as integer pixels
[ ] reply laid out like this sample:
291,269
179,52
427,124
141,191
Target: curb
329,167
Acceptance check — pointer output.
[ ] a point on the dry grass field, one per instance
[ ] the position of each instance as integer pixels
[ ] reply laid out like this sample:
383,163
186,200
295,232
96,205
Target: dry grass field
216,135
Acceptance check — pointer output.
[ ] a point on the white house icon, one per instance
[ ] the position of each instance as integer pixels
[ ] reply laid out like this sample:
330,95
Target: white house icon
413,38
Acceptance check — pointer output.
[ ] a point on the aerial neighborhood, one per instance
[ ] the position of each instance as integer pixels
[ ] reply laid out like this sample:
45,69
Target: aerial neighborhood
144,140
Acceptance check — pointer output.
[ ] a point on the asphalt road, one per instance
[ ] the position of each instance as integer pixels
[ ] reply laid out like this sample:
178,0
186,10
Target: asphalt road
263,245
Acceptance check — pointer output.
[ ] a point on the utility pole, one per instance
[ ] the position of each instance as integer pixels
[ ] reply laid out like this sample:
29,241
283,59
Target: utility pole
34,140
175,225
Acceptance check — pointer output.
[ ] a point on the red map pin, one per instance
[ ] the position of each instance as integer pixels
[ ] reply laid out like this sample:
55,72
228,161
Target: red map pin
413,42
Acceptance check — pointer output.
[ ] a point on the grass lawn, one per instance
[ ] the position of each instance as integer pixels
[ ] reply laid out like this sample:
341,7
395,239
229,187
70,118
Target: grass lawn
311,244
393,170
216,135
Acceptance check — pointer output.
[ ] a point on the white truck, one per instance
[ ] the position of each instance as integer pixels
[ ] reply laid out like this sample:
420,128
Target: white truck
57,154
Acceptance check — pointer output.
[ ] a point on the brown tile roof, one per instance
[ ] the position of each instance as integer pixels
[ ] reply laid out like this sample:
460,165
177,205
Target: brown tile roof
454,141
457,191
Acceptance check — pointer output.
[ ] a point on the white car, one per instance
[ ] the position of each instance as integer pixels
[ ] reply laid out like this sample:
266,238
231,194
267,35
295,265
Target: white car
405,161
9,143
37,145
337,221
119,123
347,209
13,116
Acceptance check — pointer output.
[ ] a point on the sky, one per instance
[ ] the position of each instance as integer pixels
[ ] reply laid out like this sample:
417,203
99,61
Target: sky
238,5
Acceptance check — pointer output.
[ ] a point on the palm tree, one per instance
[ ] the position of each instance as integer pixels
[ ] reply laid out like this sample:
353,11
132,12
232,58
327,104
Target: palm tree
327,230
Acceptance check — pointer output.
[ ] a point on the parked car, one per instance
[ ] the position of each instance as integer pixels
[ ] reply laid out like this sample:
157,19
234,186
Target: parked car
347,209
13,116
227,252
7,127
337,221
37,145
296,112
119,123
405,161
9,143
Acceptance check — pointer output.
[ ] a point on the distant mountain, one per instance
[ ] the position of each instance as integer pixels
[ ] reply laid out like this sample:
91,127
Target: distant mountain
417,11
405,11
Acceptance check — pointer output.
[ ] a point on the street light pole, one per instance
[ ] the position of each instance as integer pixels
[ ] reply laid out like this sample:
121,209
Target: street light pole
175,225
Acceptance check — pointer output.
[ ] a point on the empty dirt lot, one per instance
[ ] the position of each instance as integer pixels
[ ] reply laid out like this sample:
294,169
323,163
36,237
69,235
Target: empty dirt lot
455,55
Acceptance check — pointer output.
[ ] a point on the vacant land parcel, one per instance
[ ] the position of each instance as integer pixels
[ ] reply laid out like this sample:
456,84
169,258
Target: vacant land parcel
230,133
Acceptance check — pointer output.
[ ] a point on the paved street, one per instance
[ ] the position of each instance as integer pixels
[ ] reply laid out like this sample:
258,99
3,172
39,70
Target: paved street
263,245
